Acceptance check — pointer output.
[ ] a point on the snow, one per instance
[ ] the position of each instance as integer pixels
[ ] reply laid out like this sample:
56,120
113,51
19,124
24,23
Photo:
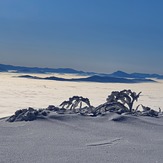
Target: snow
64,138
18,93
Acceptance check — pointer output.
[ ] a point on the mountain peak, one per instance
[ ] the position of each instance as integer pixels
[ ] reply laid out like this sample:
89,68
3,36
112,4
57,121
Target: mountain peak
120,74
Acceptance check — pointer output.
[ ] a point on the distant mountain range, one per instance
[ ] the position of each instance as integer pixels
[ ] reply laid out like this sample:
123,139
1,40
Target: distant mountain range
95,78
117,74
22,69
135,75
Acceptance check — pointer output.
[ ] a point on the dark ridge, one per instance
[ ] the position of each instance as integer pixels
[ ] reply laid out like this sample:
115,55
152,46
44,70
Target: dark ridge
135,75
22,69
94,78
120,74
117,74
29,77
103,79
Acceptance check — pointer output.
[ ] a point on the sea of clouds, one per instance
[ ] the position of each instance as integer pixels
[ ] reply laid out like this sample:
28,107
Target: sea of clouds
18,93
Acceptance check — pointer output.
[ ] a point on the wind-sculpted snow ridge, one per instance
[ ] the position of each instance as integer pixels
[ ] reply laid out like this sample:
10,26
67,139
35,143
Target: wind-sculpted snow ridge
120,102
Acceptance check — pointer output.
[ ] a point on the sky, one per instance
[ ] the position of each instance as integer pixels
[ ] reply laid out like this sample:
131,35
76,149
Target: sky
89,35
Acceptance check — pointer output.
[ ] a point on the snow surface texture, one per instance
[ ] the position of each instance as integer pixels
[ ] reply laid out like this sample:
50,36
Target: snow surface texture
73,138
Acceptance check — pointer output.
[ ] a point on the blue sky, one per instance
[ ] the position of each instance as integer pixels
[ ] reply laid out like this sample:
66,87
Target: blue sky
89,35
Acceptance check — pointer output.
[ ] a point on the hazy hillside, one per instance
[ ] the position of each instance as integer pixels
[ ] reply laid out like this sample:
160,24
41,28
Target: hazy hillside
95,78
22,69
117,74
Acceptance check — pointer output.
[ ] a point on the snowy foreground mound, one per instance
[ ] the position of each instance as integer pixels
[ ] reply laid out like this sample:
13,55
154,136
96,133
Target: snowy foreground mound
113,132
120,102
64,138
